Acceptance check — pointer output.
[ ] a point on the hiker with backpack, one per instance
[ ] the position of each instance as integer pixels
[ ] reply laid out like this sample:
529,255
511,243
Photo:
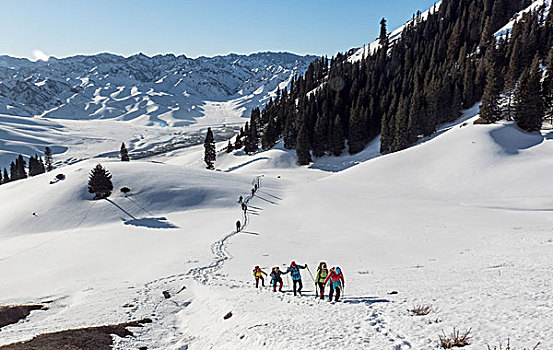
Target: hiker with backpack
238,226
320,278
294,270
258,274
337,282
276,277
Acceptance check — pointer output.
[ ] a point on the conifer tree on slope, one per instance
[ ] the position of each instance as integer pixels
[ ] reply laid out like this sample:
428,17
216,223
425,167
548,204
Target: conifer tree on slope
13,172
303,146
547,87
229,148
529,109
338,139
20,164
124,153
383,31
48,160
209,150
6,176
100,183
490,110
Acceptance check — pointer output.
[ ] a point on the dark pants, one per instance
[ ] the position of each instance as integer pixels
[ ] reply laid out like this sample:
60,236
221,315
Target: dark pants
331,292
300,286
321,289
275,285
257,281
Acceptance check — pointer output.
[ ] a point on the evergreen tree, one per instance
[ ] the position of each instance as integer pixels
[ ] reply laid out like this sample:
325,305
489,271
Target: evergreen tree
251,142
383,31
48,159
357,129
99,182
229,147
490,110
124,153
36,166
548,86
33,168
209,150
303,146
20,165
13,172
41,165
337,137
529,110
238,143
320,144
6,176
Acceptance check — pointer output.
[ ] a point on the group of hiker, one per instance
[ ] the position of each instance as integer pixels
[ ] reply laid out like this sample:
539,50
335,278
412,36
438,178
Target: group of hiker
323,276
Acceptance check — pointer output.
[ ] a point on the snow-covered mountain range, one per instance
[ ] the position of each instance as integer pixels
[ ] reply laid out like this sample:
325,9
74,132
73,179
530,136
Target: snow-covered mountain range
166,90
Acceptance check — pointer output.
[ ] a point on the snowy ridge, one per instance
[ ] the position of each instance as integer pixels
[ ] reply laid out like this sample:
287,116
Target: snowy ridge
359,54
163,90
502,33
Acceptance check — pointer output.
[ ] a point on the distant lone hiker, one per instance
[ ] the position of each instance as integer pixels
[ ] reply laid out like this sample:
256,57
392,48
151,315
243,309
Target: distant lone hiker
240,199
336,282
294,270
238,225
258,274
244,208
253,192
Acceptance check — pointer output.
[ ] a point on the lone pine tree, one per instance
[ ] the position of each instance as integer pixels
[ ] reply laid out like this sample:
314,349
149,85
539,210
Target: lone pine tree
209,150
124,153
99,182
48,160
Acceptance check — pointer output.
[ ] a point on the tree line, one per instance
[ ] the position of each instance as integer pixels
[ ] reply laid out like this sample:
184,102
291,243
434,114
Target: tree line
19,171
406,87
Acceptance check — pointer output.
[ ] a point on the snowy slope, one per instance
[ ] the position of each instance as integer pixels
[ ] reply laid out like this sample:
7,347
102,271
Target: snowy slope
502,33
359,54
461,222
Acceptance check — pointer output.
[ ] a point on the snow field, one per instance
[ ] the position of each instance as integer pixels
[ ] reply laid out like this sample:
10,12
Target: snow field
460,222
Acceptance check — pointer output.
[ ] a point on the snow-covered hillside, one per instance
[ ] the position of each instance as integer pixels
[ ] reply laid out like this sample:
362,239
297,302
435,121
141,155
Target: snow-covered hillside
164,90
460,222
537,4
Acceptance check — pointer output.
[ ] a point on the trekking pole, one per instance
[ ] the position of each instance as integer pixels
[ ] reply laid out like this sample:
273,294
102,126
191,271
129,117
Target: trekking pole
287,279
316,290
310,274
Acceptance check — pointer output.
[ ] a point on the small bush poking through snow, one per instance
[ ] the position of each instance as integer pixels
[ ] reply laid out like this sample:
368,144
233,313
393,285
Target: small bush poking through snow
455,340
422,310
125,191
508,347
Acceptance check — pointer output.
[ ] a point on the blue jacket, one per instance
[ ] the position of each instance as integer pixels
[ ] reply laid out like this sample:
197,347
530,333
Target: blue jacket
295,272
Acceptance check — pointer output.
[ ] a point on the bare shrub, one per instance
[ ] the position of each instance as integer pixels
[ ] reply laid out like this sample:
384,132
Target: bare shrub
422,310
508,346
456,339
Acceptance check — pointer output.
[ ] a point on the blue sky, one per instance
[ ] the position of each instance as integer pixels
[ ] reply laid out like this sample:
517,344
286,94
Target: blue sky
195,28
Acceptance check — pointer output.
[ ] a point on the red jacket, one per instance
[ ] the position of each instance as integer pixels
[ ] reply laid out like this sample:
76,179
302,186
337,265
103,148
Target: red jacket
334,277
